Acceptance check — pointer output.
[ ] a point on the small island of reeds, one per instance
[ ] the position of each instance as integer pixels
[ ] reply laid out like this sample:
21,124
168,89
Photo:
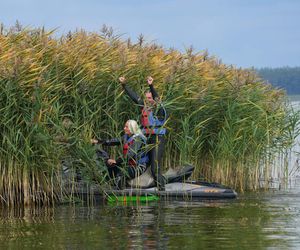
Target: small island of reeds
58,92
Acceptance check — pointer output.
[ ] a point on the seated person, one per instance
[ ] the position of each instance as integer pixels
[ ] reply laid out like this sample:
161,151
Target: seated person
134,160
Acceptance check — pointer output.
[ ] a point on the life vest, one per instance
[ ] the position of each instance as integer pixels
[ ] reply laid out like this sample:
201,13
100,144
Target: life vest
143,157
151,124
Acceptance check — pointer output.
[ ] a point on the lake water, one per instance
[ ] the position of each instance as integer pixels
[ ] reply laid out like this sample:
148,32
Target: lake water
265,220
253,221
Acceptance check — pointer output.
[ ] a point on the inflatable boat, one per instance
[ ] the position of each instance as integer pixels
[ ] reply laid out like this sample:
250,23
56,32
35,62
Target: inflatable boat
178,186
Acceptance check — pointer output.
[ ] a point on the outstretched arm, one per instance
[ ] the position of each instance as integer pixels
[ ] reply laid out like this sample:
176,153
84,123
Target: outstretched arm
133,96
152,89
110,142
160,112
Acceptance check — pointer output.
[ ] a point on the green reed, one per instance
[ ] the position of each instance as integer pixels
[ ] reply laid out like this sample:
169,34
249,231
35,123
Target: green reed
58,93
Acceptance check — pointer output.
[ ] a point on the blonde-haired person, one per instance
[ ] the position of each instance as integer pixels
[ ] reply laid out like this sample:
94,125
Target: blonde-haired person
135,158
153,119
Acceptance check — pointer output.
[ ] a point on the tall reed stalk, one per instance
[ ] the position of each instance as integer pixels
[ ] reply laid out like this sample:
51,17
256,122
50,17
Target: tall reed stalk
57,93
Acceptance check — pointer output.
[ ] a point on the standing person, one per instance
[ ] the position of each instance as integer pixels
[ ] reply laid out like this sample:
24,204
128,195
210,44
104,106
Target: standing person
153,118
134,157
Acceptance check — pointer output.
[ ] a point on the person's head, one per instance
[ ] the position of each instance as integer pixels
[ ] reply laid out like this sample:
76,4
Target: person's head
149,98
132,128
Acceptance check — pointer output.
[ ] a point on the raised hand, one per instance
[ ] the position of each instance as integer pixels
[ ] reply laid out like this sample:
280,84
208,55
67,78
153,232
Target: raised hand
122,80
149,80
111,162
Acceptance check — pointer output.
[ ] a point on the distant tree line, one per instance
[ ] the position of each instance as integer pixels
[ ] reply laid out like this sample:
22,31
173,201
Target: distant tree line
287,78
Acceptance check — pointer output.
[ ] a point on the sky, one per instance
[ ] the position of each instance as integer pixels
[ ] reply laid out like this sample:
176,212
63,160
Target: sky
244,33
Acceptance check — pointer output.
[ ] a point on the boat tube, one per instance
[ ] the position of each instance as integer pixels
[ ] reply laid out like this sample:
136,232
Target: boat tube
177,186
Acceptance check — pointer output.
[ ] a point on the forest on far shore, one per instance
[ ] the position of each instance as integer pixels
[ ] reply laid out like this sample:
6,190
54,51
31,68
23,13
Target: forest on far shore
287,78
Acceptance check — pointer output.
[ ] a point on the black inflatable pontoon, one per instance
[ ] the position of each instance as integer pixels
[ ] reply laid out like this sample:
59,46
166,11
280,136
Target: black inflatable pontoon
178,186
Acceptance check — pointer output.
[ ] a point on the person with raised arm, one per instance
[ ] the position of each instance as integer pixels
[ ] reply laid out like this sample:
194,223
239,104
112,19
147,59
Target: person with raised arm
153,119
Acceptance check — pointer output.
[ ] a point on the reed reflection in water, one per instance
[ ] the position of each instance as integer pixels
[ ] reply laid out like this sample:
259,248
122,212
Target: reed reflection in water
253,221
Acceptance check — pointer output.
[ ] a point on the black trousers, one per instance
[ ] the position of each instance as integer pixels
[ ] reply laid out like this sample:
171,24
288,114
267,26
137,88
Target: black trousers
121,169
117,170
155,155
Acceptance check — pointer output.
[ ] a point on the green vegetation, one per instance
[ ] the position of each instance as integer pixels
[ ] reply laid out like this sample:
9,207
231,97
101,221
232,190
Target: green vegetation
57,93
287,78
135,199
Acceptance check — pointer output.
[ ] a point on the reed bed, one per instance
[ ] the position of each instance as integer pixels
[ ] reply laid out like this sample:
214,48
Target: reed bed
58,92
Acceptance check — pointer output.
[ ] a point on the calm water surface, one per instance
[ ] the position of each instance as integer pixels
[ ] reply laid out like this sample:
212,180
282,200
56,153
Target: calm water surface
253,221
268,220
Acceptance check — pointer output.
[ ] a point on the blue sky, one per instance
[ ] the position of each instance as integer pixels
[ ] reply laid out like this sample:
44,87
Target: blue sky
244,33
